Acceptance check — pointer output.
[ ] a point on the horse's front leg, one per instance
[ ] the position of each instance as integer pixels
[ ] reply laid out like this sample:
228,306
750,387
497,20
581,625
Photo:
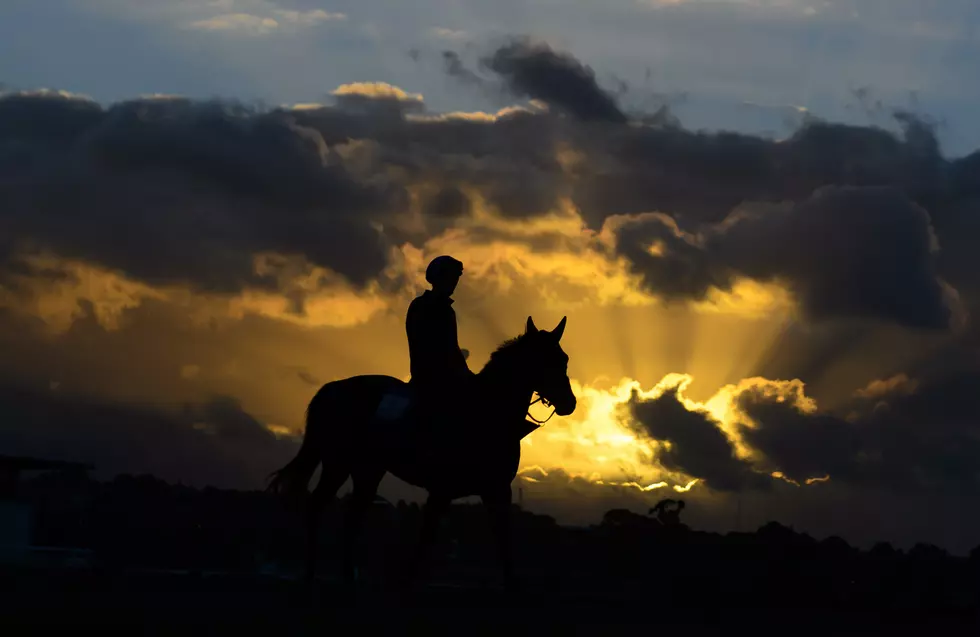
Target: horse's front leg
498,504
435,507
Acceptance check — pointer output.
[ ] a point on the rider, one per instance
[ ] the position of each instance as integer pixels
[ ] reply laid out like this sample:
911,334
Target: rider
438,365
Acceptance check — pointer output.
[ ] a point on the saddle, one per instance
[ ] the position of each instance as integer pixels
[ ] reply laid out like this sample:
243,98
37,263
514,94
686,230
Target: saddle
394,413
398,412
406,410
394,405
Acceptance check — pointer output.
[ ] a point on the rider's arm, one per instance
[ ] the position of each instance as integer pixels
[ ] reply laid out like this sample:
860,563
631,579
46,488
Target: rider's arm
457,359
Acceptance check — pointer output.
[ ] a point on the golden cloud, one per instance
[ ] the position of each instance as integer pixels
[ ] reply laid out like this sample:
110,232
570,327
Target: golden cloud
376,90
59,294
557,256
472,116
306,295
575,267
598,444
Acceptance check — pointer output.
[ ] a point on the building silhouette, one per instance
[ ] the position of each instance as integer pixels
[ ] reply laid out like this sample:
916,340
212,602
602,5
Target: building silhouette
17,513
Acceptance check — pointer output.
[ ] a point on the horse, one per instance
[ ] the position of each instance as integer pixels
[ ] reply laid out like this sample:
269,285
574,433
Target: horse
478,457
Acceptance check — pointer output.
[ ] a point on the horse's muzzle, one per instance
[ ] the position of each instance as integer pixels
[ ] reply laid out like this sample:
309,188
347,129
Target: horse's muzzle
565,406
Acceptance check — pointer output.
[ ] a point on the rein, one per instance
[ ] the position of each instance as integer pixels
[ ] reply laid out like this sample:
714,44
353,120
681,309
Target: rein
544,401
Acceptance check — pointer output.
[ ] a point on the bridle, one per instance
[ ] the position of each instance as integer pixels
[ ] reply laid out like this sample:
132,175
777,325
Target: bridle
544,401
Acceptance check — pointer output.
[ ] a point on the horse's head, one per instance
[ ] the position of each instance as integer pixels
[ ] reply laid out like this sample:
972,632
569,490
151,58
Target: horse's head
547,366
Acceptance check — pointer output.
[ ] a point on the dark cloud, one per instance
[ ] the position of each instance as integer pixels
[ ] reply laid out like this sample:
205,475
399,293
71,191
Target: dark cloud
446,204
845,252
212,443
900,436
33,122
698,447
701,176
182,191
906,438
454,67
170,190
670,261
511,159
535,70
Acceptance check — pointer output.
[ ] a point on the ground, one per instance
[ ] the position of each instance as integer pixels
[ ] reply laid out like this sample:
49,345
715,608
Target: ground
44,602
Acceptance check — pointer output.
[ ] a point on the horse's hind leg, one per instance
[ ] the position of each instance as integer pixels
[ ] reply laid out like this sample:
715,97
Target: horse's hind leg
366,483
330,481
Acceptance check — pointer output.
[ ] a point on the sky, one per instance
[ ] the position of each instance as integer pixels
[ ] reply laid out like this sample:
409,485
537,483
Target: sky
758,217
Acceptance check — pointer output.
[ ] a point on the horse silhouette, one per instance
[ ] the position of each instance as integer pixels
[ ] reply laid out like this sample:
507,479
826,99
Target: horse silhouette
478,456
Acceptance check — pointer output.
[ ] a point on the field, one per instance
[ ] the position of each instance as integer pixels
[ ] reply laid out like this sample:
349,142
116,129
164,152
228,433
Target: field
155,558
41,602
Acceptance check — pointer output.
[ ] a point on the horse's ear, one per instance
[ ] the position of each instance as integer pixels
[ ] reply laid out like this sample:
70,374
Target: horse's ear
530,328
558,331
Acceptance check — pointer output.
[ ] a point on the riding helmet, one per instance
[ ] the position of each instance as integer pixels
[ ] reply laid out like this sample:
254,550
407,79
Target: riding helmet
441,267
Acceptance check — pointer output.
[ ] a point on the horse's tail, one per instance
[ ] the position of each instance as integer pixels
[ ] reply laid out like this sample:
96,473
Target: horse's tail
293,480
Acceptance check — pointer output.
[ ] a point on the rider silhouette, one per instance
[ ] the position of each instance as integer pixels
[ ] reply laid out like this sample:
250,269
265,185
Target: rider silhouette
438,365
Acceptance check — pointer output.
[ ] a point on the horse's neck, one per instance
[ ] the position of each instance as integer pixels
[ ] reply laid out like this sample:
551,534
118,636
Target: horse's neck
510,392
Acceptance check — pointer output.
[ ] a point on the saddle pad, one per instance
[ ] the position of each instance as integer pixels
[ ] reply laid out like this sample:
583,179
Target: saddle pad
393,406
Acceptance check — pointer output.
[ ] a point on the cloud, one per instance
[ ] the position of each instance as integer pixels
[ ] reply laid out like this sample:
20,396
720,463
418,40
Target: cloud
899,383
209,443
377,99
926,440
535,70
455,68
701,177
698,447
454,35
769,7
691,439
307,18
865,252
238,22
261,18
59,292
845,252
646,441
899,437
376,90
208,194
175,191
447,203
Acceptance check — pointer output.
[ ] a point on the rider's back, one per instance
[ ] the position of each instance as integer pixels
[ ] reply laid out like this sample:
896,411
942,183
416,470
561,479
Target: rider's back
433,344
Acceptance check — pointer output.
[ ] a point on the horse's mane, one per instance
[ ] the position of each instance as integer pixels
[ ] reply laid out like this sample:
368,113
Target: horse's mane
504,354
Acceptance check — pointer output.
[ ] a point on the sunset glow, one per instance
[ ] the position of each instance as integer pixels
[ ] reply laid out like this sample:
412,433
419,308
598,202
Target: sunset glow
765,249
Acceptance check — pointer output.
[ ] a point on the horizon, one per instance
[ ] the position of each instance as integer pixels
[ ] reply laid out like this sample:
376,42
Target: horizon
602,521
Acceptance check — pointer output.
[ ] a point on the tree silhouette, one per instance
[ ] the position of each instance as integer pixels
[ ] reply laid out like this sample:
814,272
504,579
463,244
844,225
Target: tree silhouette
668,512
